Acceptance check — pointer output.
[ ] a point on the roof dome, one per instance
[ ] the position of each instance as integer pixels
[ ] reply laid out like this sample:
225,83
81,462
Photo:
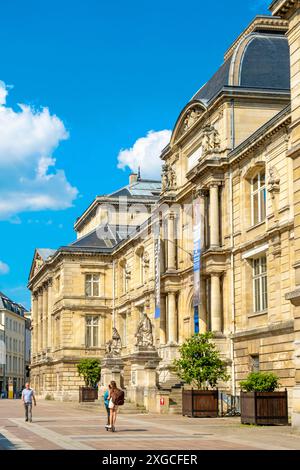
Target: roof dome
260,60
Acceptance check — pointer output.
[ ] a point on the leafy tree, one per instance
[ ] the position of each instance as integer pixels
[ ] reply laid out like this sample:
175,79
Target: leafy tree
260,382
200,362
90,371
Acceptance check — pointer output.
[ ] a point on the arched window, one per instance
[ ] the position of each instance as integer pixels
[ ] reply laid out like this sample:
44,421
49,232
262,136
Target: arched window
258,197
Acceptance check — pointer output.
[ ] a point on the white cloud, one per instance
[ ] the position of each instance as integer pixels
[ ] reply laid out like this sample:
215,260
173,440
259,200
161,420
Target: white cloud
145,153
4,268
28,138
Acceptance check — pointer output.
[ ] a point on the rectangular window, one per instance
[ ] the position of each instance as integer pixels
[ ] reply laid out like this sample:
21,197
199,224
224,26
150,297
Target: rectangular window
258,198
92,285
260,284
92,324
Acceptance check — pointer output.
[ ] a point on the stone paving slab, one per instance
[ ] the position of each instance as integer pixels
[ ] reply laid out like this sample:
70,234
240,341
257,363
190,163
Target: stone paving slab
58,425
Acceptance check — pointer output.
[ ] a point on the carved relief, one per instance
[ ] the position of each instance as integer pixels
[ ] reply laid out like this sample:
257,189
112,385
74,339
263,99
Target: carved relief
273,182
146,260
190,119
38,264
273,189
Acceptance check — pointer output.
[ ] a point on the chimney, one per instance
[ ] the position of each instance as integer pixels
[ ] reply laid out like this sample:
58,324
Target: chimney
133,177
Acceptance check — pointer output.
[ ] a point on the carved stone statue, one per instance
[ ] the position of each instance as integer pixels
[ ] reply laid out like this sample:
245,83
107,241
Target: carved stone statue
164,177
211,141
113,346
169,181
144,335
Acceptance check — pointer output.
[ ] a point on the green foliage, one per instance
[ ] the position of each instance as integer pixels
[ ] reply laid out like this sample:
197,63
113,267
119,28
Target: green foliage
90,371
260,382
200,363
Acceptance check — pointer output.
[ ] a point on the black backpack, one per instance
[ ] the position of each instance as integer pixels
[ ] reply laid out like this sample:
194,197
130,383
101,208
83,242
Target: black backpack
118,397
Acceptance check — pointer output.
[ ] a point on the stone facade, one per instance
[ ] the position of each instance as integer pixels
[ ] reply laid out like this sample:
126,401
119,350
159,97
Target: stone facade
234,151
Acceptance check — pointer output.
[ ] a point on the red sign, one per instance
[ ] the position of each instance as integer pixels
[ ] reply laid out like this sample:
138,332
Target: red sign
162,401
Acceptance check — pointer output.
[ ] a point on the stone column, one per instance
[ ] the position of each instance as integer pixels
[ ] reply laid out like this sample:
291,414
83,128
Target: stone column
35,323
202,306
163,321
45,317
216,313
171,266
214,215
40,326
50,320
172,318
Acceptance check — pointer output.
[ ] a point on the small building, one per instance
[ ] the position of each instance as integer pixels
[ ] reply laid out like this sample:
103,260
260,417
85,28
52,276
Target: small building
13,345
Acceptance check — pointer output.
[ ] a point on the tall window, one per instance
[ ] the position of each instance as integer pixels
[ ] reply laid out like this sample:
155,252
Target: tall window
92,332
258,197
92,285
260,284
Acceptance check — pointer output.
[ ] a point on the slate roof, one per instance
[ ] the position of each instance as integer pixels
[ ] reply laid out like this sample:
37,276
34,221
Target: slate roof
265,64
141,188
45,252
102,240
8,304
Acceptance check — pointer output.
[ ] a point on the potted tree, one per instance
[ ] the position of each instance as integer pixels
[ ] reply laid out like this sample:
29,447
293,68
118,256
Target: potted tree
200,365
260,403
90,371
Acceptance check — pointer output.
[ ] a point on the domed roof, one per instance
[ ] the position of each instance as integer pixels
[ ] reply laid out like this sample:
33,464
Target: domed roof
260,60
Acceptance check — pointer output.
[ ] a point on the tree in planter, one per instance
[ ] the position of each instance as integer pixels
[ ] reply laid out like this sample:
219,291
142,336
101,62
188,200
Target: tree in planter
260,382
200,363
90,371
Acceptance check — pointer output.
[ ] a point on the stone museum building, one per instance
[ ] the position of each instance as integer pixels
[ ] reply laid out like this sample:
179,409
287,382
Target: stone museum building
234,157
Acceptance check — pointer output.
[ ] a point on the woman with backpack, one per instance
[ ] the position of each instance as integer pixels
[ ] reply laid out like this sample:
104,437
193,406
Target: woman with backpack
106,404
116,399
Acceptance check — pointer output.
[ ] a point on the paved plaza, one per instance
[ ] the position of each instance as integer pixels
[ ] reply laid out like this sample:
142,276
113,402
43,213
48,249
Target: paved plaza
59,425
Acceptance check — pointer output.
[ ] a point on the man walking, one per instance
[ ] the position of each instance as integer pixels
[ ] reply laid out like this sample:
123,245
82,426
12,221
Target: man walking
28,397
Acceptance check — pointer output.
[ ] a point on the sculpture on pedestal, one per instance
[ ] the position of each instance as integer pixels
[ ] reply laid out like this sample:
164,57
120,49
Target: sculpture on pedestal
144,335
113,346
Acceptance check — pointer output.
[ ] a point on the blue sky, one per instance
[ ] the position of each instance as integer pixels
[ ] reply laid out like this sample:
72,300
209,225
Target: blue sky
93,79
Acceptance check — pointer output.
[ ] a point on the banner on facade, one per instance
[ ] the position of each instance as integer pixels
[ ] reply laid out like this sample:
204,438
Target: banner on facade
157,276
196,260
2,353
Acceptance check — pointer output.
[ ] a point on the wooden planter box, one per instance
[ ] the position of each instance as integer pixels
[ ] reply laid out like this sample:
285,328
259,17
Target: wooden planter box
200,403
264,408
87,394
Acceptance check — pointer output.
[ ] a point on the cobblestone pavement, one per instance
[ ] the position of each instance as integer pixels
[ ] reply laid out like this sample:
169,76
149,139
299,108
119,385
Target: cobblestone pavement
59,425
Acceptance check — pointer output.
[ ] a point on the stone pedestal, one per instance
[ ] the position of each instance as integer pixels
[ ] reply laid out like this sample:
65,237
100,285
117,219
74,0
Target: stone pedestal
142,389
166,372
111,369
